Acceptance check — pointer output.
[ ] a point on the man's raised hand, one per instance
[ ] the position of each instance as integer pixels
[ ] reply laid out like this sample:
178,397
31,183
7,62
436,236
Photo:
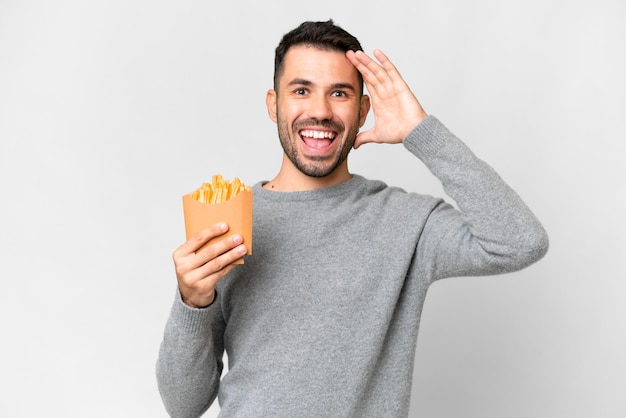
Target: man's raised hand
396,110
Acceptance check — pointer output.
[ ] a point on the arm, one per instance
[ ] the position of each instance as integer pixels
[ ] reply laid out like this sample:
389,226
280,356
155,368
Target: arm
190,364
494,231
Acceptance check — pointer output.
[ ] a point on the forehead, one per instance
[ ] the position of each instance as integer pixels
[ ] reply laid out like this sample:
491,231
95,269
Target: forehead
319,66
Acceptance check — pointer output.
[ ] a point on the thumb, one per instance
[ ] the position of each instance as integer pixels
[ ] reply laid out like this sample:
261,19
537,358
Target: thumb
363,138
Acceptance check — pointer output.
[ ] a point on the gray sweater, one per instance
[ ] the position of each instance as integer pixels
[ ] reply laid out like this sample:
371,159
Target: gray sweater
322,319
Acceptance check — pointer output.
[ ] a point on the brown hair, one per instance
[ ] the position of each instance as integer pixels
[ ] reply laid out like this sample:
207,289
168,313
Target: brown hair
321,35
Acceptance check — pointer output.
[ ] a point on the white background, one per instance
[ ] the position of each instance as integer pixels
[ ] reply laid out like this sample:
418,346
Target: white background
111,110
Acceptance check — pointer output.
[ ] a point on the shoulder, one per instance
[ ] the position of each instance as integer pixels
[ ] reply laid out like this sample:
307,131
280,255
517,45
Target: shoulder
377,191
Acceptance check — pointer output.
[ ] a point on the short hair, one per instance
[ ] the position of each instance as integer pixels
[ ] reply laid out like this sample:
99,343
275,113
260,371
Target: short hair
321,35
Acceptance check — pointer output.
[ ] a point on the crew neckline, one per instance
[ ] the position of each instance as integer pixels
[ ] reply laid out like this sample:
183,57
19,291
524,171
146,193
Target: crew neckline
306,195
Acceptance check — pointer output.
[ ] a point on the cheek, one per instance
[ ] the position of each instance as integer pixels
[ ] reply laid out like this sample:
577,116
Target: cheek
349,115
290,109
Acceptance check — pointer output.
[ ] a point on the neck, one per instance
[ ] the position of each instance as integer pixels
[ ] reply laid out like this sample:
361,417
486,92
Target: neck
290,179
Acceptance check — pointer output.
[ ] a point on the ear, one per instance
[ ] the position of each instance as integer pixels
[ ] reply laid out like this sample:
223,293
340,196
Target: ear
270,102
365,108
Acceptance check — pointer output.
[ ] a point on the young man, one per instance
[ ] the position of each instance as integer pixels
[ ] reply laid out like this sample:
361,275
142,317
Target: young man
323,319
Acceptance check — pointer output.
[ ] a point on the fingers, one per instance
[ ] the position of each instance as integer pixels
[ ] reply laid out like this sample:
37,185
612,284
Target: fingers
374,74
386,63
200,264
396,109
201,238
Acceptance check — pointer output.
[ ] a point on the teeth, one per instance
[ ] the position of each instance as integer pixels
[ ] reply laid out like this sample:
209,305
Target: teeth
317,134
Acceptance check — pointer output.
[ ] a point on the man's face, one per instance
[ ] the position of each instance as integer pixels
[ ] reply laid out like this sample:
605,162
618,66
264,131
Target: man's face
318,109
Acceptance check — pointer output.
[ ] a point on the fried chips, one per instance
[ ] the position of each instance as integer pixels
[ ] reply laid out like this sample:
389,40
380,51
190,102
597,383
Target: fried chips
219,190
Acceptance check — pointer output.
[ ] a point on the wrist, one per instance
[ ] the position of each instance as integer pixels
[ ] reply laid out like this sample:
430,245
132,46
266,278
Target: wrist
199,304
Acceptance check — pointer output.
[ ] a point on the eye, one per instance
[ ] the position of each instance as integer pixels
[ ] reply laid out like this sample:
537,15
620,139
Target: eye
339,93
300,91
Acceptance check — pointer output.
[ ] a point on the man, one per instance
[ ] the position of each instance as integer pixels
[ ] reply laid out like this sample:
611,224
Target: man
322,319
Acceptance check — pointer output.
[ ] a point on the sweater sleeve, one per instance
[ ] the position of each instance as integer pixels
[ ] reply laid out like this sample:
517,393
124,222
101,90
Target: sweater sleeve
492,231
190,363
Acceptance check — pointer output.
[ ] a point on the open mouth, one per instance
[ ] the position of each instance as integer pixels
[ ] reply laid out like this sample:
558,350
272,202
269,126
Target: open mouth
316,138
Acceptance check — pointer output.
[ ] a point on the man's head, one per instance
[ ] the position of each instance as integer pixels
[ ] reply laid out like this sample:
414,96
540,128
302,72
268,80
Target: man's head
321,35
317,101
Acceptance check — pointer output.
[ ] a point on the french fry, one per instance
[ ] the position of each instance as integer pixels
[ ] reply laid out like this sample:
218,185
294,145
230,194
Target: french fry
219,190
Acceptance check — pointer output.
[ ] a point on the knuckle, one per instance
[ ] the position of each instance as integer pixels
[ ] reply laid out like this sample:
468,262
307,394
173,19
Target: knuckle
180,272
218,265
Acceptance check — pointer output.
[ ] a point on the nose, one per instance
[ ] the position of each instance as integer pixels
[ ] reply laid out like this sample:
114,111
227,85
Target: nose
320,108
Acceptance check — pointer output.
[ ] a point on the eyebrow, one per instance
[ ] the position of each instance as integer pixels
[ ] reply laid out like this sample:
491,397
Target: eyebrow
304,82
300,82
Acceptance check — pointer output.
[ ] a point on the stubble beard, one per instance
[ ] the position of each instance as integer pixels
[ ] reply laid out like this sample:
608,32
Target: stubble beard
315,166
